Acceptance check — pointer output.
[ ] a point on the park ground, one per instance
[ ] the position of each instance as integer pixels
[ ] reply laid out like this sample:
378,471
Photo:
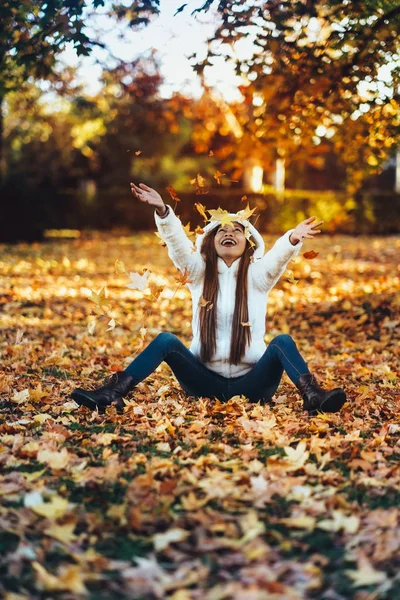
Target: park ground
196,500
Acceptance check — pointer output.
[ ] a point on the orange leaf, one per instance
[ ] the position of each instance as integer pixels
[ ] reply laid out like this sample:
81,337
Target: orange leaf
310,254
173,193
183,277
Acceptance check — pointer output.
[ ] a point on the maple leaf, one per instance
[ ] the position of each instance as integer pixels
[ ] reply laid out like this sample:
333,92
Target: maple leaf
38,393
310,254
138,152
211,153
138,282
100,299
222,216
201,209
247,235
21,397
366,574
156,290
199,230
173,193
186,229
183,278
69,579
246,213
217,176
243,199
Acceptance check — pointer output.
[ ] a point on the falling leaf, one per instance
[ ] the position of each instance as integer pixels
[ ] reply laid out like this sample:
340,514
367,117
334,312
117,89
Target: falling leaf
138,282
201,209
248,324
183,278
173,194
246,213
222,216
310,254
244,198
138,152
92,322
119,267
211,153
111,325
217,176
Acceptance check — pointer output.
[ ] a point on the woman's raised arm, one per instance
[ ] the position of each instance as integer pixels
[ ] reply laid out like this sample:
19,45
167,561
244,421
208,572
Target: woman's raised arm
180,249
268,269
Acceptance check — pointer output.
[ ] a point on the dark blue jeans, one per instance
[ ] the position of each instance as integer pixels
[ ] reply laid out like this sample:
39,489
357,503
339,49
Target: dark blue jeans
195,379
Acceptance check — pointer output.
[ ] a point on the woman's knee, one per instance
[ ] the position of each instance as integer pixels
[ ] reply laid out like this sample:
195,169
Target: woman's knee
167,339
283,338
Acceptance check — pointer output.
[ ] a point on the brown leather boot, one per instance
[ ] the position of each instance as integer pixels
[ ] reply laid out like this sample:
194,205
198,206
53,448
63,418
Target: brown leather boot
118,386
316,399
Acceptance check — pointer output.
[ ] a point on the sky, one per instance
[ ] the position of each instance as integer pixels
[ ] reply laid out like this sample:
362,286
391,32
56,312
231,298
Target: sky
174,37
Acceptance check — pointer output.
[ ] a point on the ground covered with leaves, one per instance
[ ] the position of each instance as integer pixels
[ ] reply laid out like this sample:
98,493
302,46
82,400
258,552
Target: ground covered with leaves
184,499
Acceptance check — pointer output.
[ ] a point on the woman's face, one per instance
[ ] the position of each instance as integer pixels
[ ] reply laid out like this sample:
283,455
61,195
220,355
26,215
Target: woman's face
230,242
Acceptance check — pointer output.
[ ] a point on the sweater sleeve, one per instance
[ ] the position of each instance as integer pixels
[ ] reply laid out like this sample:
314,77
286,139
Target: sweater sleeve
181,250
268,269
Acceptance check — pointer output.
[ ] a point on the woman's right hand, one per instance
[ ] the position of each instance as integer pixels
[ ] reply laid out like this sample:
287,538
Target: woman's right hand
144,193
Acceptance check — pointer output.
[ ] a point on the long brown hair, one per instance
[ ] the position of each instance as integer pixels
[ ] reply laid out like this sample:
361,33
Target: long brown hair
241,335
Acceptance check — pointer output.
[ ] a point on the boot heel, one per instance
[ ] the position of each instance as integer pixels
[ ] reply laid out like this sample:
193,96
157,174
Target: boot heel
334,401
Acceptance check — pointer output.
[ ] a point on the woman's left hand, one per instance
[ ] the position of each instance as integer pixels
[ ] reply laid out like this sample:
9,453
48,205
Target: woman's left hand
305,230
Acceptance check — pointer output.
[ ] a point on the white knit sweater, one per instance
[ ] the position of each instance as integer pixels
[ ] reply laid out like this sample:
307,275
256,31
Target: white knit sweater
263,274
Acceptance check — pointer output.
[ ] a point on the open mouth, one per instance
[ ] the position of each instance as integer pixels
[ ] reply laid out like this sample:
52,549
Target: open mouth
228,242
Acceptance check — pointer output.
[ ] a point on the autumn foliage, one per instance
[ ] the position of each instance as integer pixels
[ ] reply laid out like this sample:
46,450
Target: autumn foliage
196,499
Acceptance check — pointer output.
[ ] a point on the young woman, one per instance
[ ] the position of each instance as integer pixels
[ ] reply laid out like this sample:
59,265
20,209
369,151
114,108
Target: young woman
229,277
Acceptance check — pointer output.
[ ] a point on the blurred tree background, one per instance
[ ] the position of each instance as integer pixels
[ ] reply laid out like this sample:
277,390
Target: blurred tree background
315,129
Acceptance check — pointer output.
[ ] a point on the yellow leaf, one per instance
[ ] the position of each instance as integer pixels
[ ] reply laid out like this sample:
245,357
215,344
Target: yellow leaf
163,540
365,574
20,397
54,458
303,522
62,533
340,521
246,213
119,267
69,579
223,217
57,507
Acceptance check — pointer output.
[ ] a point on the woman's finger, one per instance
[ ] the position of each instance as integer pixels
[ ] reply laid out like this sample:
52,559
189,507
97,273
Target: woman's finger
145,187
309,220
